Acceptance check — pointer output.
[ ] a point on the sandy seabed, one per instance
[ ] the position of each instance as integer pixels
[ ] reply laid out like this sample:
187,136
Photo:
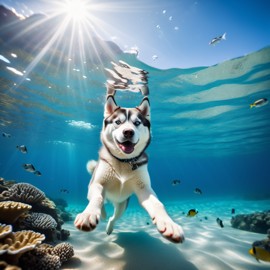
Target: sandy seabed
135,244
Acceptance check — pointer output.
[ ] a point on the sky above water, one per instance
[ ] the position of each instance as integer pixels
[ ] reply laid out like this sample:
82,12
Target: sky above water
167,34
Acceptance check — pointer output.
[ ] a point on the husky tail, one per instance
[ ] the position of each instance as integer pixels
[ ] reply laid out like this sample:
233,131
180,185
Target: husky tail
91,165
224,36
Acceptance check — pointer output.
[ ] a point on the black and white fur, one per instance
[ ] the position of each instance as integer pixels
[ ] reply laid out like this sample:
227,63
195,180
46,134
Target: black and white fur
122,170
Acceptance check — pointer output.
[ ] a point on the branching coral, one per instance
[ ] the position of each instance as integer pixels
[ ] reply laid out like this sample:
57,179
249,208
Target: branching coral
10,211
17,243
5,230
4,265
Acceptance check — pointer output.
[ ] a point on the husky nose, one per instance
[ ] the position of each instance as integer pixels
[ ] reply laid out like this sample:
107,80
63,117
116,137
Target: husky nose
128,133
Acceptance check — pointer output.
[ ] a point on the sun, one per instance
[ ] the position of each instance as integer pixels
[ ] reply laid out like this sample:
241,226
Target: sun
76,10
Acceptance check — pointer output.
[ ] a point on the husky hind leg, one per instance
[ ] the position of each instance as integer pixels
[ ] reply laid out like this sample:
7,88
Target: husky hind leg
119,209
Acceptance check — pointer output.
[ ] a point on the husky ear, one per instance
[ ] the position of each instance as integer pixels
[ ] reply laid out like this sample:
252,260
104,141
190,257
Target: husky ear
144,108
110,106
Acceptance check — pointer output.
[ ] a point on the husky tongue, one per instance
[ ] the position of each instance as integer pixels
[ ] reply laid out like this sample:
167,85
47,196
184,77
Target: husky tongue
127,147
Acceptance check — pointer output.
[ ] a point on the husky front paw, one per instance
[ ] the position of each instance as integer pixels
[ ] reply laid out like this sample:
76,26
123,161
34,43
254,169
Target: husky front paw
169,229
86,221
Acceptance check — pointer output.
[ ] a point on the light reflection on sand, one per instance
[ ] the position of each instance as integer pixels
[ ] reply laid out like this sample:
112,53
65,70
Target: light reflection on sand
136,244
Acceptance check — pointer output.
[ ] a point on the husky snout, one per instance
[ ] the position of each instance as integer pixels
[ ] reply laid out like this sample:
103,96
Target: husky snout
128,133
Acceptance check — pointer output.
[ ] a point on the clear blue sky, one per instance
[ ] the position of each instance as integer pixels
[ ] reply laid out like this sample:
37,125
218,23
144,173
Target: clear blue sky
176,31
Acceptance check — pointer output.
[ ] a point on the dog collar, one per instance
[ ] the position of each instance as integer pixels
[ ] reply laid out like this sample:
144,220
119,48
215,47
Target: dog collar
135,162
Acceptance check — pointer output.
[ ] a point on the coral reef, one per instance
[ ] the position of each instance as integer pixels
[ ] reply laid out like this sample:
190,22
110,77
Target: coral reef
39,260
29,218
14,244
47,257
40,221
5,230
4,265
17,196
64,251
23,192
258,222
4,184
10,211
61,206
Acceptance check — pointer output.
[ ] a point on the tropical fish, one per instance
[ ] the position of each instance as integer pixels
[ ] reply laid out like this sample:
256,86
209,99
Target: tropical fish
6,135
22,148
233,211
198,191
192,213
216,40
38,173
176,182
259,103
29,168
220,222
260,253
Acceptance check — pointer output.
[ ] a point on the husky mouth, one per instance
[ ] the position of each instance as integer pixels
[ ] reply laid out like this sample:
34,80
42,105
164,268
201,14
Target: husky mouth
127,147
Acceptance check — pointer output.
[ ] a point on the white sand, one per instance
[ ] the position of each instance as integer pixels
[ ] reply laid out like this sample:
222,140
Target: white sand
135,245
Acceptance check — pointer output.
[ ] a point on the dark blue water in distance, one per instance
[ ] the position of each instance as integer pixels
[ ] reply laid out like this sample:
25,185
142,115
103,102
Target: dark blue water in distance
203,130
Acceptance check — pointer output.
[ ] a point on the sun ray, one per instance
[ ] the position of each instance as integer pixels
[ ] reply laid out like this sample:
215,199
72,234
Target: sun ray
75,30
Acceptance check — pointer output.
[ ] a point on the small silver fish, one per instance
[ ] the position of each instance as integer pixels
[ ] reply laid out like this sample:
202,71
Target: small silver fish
220,222
22,148
6,135
29,168
176,182
38,173
198,191
259,103
216,40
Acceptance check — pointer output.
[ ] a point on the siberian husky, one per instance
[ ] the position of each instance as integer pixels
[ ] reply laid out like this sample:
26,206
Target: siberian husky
122,170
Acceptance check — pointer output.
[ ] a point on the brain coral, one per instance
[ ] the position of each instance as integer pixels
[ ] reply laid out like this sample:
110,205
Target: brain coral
40,221
64,251
24,192
10,211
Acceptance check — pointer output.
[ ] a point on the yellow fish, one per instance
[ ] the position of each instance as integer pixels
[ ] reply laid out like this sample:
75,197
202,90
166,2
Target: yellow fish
259,103
260,254
192,213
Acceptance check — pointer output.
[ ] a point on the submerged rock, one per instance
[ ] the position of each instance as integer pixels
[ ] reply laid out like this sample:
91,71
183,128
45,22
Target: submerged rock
258,222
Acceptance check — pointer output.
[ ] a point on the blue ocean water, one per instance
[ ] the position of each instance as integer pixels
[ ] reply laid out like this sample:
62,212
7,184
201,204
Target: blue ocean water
204,134
203,130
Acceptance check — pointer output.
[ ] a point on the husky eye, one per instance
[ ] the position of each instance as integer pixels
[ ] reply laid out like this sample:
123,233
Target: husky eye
118,122
137,123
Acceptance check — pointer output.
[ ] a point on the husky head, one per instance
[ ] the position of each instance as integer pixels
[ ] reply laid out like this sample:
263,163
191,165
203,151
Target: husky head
126,131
